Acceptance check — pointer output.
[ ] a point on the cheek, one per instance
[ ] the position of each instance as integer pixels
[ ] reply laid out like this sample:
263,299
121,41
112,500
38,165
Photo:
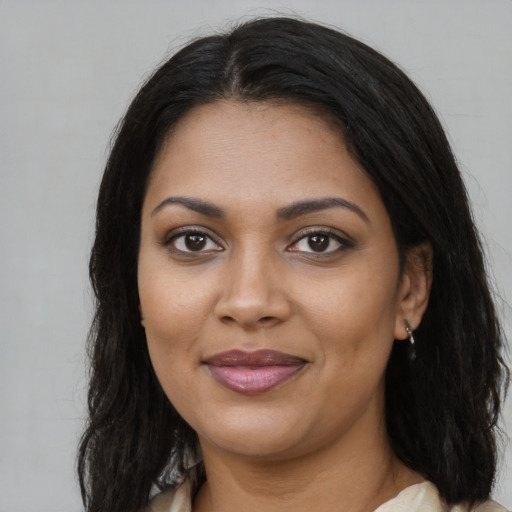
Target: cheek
172,324
354,319
352,308
174,311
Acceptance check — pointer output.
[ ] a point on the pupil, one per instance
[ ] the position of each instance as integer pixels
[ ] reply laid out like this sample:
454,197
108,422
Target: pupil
318,243
195,242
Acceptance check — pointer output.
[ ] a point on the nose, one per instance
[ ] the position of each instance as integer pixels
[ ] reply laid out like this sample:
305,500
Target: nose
253,292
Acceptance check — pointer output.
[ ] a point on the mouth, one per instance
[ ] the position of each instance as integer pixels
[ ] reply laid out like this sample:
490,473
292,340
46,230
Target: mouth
252,373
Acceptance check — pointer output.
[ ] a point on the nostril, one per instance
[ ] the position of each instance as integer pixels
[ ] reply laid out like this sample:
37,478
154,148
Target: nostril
266,319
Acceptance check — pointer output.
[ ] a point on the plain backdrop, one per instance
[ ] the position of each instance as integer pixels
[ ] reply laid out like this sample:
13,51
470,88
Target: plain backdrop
68,70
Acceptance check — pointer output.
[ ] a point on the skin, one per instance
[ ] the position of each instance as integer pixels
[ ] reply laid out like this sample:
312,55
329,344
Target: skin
260,282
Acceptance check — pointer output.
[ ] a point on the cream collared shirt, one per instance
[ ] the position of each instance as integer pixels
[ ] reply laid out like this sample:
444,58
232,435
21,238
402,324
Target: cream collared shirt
416,498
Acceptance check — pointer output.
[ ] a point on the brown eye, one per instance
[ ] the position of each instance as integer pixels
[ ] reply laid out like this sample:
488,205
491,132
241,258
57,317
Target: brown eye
192,241
318,243
321,243
195,242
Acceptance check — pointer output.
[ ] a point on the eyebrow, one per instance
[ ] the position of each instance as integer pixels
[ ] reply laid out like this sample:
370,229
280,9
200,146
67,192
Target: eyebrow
314,205
286,213
196,205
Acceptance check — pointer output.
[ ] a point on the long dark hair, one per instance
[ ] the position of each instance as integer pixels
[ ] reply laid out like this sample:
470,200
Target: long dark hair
441,407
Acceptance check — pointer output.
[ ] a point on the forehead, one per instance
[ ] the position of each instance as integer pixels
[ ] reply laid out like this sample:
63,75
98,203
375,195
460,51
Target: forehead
270,153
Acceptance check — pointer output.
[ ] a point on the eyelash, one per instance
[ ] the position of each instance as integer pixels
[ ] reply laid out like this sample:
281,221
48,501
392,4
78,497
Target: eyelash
344,242
170,241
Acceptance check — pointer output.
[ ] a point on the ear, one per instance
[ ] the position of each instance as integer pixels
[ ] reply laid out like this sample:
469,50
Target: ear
414,288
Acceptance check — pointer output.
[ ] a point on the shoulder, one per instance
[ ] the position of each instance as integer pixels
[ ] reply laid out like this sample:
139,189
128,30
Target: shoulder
424,497
489,506
486,506
173,500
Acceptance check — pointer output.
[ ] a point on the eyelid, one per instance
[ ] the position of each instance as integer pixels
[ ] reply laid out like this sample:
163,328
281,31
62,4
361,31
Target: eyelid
345,241
191,230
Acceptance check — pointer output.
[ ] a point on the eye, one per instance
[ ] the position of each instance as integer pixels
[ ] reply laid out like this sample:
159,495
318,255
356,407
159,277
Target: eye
321,242
191,241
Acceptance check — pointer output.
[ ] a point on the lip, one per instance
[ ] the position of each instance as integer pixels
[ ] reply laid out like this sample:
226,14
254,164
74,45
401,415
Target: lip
252,373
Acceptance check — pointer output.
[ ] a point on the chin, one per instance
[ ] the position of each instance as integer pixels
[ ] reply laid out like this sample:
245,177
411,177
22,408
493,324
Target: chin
258,435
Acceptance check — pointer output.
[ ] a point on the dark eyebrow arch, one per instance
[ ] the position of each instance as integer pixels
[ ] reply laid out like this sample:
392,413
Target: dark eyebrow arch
314,205
197,205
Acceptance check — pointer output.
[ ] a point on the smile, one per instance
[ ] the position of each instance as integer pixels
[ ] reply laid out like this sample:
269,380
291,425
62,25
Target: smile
251,373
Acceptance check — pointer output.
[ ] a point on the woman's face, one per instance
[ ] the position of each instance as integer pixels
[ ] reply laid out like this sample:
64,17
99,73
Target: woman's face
269,281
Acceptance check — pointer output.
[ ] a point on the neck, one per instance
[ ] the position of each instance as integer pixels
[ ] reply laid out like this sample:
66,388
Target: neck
355,475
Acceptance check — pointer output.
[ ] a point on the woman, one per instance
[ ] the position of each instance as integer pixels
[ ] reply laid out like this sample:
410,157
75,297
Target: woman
292,307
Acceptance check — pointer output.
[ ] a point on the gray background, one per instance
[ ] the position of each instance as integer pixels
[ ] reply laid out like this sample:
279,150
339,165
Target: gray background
68,71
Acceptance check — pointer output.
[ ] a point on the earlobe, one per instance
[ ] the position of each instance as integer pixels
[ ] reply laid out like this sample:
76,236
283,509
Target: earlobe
414,290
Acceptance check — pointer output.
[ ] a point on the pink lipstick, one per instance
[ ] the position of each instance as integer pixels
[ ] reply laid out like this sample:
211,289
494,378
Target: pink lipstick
251,373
